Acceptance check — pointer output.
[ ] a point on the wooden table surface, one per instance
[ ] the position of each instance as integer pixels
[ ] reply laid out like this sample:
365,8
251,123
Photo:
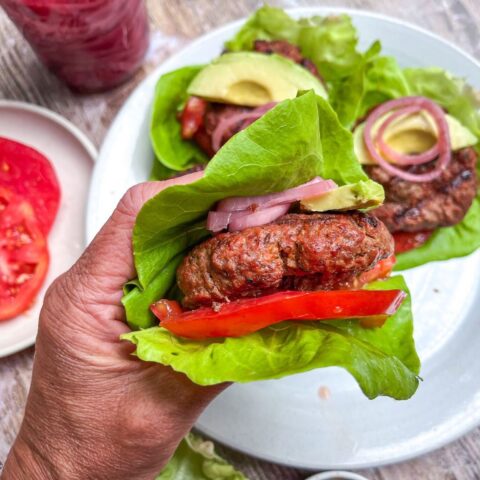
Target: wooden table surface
175,23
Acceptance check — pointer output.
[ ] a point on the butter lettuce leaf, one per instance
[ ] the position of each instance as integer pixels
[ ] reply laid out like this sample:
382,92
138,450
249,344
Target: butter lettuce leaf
382,360
330,42
172,152
195,458
375,80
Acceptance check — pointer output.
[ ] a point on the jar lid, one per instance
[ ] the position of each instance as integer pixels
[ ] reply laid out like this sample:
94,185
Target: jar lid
337,475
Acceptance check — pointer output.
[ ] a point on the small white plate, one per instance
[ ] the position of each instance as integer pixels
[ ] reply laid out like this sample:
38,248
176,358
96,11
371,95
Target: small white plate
287,421
72,155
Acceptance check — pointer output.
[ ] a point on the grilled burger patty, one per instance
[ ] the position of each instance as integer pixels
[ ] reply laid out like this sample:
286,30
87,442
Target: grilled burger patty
412,207
321,251
286,49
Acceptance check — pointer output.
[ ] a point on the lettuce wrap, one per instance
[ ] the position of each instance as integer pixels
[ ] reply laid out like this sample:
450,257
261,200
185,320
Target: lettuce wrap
330,42
378,79
294,142
195,458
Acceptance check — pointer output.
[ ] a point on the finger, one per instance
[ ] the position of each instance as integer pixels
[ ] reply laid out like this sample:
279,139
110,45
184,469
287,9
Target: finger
136,196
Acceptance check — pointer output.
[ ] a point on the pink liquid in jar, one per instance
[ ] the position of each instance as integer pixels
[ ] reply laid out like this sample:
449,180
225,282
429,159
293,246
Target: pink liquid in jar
92,45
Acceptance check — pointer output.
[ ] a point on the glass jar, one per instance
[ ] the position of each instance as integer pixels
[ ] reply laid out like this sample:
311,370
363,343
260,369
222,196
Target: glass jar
92,45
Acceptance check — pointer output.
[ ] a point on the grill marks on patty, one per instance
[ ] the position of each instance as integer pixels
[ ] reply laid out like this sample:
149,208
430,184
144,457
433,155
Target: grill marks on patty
286,49
301,252
413,207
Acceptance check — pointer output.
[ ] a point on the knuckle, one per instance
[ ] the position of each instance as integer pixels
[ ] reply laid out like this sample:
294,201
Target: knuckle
133,198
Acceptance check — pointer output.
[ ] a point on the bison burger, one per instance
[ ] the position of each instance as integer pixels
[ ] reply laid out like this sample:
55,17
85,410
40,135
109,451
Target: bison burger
263,266
273,266
425,160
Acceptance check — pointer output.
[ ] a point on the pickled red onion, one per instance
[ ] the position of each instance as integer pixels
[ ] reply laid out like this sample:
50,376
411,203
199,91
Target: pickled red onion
314,187
218,221
241,220
238,213
244,117
443,145
392,154
259,110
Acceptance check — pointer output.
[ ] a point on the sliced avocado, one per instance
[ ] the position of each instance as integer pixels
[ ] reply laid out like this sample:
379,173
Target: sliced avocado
365,194
253,79
413,133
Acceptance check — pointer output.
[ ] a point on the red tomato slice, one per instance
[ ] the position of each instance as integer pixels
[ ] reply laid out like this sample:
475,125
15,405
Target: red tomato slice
381,270
245,316
29,174
23,255
405,241
192,116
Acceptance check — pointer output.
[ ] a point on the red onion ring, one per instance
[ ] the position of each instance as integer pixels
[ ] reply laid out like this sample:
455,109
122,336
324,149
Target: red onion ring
394,155
443,144
218,221
262,110
314,187
238,213
224,124
242,220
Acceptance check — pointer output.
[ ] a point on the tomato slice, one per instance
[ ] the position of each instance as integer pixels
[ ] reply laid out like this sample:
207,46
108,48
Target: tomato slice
381,270
245,316
192,115
30,174
405,241
23,255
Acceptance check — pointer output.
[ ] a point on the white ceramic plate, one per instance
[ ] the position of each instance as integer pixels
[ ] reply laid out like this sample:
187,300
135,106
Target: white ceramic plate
286,421
72,155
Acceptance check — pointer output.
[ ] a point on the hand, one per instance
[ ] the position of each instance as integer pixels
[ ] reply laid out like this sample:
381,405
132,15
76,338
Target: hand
94,410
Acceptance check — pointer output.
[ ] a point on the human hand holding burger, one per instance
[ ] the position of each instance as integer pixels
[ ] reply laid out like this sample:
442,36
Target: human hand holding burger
94,410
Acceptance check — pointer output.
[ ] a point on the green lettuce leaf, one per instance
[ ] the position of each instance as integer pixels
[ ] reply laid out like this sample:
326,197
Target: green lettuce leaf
294,142
383,360
195,459
375,80
171,151
330,42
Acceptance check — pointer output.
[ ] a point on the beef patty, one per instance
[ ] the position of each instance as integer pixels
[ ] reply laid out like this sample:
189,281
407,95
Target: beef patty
412,207
217,112
320,251
286,49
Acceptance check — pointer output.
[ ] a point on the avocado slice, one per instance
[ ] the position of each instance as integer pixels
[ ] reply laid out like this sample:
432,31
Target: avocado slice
413,134
361,195
253,79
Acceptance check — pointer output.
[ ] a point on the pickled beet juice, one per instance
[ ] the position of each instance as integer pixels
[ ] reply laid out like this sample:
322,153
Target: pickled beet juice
92,45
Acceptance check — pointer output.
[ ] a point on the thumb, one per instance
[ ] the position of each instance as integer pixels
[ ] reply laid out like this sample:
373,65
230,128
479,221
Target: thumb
110,253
